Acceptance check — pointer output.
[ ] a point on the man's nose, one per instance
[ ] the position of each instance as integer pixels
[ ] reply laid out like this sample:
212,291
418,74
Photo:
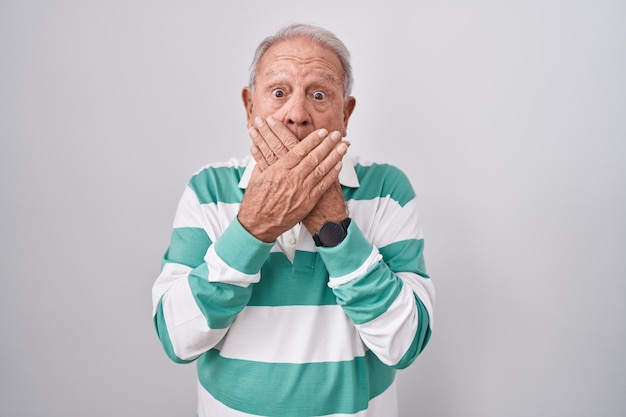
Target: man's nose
297,113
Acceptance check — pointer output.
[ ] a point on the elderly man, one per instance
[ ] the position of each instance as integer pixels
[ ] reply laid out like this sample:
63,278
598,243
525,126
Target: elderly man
295,277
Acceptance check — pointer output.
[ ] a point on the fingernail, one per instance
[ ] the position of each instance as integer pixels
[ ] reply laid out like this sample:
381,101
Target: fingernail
322,133
258,121
270,121
342,148
335,136
253,132
338,166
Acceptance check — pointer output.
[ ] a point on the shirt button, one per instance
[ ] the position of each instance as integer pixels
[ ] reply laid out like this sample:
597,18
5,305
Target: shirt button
292,241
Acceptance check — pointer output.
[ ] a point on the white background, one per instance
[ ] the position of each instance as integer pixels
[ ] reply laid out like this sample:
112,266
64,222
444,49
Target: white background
508,116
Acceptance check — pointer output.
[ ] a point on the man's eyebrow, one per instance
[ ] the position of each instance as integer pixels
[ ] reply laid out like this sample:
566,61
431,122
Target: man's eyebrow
275,74
331,78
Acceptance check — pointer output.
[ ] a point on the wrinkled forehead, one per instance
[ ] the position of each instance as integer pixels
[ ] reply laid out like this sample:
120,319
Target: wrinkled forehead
301,53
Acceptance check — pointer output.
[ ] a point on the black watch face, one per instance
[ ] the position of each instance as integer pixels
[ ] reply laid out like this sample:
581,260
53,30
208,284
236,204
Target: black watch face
331,234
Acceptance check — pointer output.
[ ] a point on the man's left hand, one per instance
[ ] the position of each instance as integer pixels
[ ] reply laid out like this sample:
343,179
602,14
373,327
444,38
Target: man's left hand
271,140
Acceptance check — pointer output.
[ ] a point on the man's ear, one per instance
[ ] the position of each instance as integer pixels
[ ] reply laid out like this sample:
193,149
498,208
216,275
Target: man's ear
348,108
246,96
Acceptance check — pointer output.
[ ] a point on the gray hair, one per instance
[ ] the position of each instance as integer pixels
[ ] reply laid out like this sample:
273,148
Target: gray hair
315,33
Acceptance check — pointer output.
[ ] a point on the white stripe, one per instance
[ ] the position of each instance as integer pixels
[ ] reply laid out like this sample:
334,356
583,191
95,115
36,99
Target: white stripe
220,271
292,334
390,335
170,273
424,289
218,217
384,405
392,222
188,210
214,218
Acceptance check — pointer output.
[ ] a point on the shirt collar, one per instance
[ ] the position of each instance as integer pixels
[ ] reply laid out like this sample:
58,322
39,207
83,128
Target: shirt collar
347,175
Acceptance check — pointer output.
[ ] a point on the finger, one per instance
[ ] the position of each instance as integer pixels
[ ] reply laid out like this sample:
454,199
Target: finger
274,143
258,141
324,156
333,162
303,148
282,132
258,157
324,183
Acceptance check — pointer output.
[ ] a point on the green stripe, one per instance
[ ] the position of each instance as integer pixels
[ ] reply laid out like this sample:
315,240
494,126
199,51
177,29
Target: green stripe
405,256
285,389
240,250
188,246
220,303
218,184
370,295
280,286
164,336
381,180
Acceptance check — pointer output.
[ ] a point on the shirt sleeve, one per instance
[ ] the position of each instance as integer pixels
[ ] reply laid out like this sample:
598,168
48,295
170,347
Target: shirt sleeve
380,280
203,284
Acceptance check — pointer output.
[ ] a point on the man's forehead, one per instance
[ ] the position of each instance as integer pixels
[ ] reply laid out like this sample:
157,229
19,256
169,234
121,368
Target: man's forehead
300,52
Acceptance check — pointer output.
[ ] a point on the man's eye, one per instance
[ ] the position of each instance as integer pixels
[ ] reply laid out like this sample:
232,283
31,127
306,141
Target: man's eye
319,95
278,93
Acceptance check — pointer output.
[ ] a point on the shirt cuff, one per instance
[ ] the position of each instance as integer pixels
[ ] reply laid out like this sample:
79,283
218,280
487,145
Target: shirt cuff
350,259
240,250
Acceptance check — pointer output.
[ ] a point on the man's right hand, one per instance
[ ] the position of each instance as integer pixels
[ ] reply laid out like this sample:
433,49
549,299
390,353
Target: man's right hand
282,193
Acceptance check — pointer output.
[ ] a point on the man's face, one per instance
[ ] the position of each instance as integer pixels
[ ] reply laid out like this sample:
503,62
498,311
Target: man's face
300,83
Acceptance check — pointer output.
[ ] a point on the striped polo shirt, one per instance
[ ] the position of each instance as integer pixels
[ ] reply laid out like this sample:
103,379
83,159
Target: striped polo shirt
287,328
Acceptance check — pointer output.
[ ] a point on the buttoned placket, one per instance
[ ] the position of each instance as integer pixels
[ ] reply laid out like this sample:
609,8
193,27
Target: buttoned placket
288,242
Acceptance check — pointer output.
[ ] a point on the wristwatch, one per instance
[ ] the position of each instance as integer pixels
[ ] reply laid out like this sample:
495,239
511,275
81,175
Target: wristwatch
331,233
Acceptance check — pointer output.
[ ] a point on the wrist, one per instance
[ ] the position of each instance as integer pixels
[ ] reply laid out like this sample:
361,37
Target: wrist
330,208
314,222
332,234
258,229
